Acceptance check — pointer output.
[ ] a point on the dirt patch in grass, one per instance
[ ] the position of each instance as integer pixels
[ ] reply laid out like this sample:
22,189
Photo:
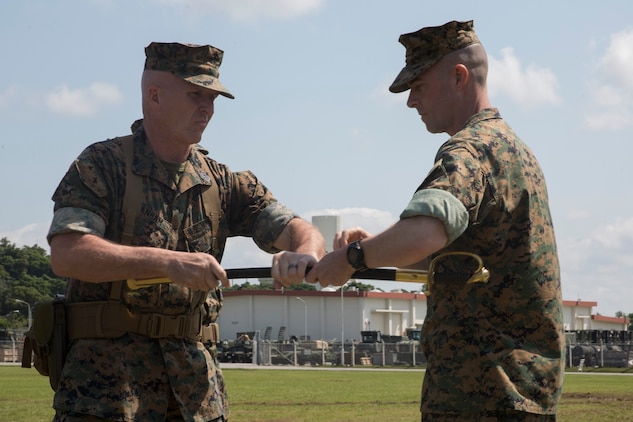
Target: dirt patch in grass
595,397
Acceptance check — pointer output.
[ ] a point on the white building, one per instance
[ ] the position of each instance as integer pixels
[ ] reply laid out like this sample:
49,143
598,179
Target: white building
578,315
326,315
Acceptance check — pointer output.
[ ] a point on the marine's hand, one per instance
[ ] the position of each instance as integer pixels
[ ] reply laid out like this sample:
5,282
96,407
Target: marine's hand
290,267
348,236
198,271
333,269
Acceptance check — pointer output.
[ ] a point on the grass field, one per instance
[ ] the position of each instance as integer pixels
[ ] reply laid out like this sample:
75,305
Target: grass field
332,395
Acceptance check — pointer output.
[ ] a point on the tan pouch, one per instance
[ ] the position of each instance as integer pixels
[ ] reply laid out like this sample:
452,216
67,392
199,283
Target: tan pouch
45,343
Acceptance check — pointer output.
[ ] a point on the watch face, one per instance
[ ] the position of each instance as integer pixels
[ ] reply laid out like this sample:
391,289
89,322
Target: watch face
355,256
352,255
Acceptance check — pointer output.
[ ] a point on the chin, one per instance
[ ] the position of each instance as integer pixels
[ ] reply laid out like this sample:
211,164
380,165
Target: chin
433,129
195,138
429,129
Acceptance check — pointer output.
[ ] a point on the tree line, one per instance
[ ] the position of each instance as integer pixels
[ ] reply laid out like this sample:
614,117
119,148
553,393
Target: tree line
25,275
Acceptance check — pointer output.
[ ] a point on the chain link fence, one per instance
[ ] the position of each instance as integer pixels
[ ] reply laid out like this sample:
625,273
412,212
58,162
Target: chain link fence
11,348
597,349
323,353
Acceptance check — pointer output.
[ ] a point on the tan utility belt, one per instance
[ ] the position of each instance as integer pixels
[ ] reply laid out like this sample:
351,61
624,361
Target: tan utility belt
112,319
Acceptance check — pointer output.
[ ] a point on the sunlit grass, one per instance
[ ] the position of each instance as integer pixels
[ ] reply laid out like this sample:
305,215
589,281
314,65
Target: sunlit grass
284,395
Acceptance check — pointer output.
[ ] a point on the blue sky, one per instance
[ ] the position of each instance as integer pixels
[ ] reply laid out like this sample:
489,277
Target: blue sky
313,117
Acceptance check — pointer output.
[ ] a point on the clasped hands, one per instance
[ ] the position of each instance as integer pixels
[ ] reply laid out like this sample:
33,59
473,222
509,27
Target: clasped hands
333,269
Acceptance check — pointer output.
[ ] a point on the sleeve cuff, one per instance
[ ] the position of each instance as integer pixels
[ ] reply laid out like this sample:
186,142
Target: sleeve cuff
442,205
75,220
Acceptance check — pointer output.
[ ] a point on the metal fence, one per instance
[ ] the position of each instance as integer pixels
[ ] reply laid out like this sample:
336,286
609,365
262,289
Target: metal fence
11,349
352,353
322,353
600,355
599,348
405,353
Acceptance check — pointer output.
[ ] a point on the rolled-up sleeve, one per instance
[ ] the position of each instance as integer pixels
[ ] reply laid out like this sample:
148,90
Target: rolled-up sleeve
269,225
442,205
76,220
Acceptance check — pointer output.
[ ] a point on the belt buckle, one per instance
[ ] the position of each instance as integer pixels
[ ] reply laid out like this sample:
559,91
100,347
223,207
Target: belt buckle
161,326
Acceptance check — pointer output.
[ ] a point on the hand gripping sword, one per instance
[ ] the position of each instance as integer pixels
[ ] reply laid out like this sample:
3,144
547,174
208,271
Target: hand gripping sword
481,275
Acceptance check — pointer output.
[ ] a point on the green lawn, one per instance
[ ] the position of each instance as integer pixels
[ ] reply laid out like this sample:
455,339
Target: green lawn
332,395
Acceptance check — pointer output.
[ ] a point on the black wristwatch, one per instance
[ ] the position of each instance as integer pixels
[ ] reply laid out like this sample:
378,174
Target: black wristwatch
356,256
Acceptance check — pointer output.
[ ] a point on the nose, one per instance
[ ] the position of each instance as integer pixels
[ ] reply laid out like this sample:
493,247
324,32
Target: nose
412,102
207,105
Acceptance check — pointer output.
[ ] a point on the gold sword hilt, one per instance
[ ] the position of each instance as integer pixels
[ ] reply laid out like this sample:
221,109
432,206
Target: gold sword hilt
481,274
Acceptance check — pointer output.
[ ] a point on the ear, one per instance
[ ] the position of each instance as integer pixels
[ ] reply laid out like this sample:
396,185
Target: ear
153,94
462,75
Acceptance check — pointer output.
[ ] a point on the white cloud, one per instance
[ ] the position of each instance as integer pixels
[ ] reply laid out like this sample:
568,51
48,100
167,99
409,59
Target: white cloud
618,59
250,10
598,267
242,252
82,102
578,214
611,86
609,120
8,96
527,86
372,220
32,234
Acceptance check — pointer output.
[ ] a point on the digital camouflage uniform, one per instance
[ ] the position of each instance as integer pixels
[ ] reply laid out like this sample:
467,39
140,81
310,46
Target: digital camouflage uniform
495,346
134,377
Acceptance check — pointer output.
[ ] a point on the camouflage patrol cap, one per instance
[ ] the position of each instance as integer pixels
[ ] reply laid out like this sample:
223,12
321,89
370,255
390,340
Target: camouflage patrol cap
428,45
198,64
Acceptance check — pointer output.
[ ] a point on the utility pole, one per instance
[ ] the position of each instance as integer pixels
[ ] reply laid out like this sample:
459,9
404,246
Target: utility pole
29,308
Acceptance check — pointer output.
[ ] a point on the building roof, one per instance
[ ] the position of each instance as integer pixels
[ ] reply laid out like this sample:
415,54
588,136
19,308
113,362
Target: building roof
580,303
603,318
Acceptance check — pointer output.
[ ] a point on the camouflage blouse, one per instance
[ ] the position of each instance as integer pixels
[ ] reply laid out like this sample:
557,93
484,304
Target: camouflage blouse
149,375
497,345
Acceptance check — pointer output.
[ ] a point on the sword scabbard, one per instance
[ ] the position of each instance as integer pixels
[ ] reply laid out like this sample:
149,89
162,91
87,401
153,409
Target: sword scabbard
261,272
409,276
399,274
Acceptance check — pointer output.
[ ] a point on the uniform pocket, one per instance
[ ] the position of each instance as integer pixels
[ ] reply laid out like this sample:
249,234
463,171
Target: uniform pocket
199,237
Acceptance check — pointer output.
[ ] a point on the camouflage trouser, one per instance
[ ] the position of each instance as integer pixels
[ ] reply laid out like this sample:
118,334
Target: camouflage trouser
504,416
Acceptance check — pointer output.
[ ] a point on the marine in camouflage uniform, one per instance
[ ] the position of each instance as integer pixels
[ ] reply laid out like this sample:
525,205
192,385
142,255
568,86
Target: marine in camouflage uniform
497,345
135,377
495,350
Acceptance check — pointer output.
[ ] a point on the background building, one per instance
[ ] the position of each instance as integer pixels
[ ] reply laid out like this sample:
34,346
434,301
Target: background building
323,315
330,314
